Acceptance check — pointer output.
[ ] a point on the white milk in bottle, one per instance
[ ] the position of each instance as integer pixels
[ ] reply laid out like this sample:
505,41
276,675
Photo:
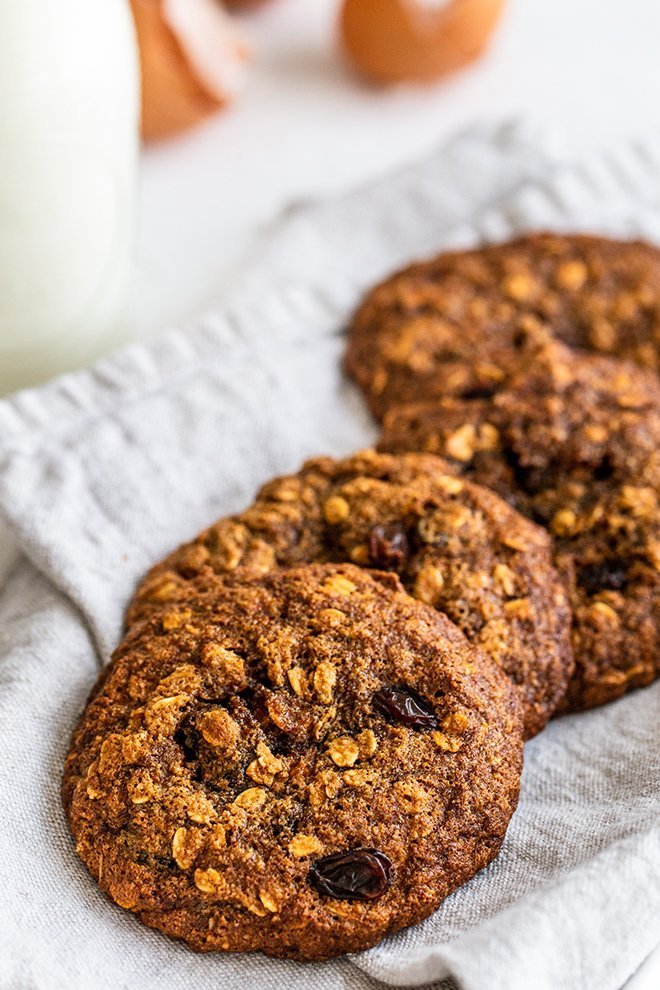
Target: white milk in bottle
68,159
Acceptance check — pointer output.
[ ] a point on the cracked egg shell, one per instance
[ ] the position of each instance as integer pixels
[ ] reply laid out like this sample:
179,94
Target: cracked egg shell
416,40
192,61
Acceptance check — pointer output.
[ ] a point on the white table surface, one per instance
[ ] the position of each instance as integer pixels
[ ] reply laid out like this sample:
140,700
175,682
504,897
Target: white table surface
305,127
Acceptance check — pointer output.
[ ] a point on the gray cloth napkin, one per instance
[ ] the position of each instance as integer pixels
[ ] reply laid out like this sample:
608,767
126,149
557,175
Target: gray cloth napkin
104,471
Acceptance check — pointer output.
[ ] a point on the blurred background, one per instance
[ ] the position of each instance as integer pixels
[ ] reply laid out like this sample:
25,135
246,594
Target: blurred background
305,125
249,108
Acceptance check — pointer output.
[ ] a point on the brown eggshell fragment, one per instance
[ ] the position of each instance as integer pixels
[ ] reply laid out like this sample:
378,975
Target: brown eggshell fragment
416,40
192,60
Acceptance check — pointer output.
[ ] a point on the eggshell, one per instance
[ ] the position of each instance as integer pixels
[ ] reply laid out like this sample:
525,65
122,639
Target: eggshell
244,4
417,40
192,61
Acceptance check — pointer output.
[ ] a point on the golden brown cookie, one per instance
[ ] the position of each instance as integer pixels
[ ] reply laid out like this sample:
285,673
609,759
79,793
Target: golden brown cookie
454,545
454,325
301,764
575,445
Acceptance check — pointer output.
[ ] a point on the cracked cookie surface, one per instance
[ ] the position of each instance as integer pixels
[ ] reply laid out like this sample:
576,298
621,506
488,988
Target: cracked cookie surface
300,764
454,545
452,325
574,443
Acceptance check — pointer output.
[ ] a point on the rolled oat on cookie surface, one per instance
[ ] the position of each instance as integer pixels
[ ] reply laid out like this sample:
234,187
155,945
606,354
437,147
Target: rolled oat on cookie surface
574,443
454,545
451,326
298,764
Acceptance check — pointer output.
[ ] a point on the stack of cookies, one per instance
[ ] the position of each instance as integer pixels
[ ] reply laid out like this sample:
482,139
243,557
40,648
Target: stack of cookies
312,731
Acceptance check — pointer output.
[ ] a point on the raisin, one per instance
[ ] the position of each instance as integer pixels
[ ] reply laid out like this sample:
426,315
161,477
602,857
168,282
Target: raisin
388,546
187,737
610,574
356,875
478,392
605,469
402,704
529,478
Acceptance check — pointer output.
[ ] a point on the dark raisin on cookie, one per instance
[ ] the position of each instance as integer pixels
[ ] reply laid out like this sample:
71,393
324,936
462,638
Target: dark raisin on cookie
453,545
573,443
231,779
402,704
356,875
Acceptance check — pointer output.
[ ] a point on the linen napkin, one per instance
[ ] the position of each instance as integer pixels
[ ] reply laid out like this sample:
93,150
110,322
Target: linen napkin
103,471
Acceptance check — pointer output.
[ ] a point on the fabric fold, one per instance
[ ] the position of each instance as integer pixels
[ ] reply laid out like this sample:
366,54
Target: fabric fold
104,471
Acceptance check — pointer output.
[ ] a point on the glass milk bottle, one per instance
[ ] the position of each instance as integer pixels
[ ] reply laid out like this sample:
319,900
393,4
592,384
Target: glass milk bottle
69,88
